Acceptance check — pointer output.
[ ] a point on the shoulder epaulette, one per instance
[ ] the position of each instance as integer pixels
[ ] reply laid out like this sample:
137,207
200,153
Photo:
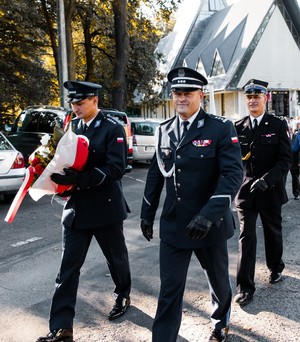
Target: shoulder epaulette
282,118
164,124
217,117
240,120
166,121
111,120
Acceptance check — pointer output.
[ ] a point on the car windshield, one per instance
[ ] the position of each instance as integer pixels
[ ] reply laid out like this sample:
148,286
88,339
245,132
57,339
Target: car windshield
38,121
144,128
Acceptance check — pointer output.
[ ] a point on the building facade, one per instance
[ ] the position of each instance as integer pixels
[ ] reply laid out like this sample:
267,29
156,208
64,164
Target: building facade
232,44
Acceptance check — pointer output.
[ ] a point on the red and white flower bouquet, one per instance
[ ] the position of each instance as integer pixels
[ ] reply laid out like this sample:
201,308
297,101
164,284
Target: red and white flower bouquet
62,150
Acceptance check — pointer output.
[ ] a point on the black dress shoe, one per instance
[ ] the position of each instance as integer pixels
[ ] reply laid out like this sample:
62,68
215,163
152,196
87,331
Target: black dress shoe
243,298
275,277
60,335
219,335
119,308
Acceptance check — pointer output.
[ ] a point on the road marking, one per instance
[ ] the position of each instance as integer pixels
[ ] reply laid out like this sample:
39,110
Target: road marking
136,179
21,243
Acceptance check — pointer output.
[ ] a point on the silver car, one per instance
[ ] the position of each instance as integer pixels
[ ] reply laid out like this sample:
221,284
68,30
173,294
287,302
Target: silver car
143,138
12,169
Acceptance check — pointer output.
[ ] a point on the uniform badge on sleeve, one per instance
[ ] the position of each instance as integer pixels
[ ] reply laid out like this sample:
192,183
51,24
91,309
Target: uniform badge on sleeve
120,139
234,140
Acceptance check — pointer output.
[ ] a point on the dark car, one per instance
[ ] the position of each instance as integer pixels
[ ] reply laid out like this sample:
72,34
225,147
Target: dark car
122,118
31,125
36,121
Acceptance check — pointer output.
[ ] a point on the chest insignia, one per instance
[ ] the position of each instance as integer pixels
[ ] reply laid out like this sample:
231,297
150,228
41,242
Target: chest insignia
268,135
202,143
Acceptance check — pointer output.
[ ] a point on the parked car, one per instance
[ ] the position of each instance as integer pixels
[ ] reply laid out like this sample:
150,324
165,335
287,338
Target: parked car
35,121
122,118
30,126
12,168
143,138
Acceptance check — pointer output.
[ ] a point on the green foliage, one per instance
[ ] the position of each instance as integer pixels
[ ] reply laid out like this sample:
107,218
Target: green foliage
28,48
23,74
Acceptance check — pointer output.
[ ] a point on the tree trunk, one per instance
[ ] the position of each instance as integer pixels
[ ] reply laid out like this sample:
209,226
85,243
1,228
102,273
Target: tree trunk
52,35
121,54
69,10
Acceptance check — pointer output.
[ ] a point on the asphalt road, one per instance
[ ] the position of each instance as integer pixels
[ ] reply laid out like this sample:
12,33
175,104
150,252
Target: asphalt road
30,251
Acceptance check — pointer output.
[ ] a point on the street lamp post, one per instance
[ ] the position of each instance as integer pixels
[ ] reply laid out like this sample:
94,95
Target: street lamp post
62,51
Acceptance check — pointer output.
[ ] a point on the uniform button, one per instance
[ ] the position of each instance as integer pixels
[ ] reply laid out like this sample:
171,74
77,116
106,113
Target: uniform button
178,199
109,200
179,170
201,156
178,157
178,185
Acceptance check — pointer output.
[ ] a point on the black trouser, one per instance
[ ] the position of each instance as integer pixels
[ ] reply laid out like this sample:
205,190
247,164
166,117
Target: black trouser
271,222
75,247
295,182
174,265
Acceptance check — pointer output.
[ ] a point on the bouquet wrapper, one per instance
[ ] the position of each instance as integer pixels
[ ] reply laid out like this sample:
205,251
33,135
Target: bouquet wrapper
71,152
14,207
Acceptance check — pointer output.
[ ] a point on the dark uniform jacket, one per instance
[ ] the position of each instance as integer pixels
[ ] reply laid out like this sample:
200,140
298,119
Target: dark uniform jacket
203,172
267,154
98,199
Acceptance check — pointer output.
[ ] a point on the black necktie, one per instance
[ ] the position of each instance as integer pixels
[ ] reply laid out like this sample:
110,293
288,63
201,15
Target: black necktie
185,126
85,127
255,124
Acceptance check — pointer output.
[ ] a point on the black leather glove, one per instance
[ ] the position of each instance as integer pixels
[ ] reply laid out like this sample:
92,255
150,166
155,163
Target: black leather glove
260,185
198,228
65,194
71,177
147,229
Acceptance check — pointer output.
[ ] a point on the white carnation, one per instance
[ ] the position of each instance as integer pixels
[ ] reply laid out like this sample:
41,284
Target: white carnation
45,139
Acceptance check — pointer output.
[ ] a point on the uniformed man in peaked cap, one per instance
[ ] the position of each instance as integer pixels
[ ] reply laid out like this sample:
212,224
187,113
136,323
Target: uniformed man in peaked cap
78,91
186,79
255,87
96,208
198,159
267,157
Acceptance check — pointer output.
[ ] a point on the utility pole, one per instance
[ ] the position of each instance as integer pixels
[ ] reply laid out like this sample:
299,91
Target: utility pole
62,51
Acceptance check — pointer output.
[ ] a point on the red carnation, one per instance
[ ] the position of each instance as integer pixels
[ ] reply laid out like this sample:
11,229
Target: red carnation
38,169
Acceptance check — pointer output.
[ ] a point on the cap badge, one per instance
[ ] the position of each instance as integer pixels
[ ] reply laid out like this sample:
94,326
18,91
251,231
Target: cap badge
181,73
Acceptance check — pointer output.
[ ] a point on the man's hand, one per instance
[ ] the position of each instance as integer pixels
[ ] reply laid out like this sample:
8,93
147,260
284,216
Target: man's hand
260,185
147,229
71,177
198,228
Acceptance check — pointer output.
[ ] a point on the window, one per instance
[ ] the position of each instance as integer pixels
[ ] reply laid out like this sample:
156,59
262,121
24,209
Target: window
217,68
